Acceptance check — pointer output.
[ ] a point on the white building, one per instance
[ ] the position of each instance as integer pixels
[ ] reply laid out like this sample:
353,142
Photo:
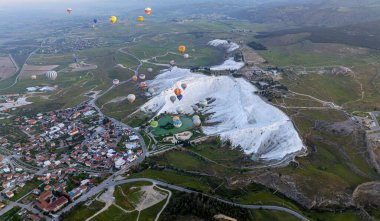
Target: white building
119,162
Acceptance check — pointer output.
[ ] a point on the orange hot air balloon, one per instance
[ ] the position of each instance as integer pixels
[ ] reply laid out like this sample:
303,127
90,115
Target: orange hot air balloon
148,11
134,78
140,19
182,49
177,91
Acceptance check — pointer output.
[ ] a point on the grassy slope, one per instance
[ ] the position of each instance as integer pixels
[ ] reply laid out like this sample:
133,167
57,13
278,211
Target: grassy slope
115,214
83,212
149,214
292,50
132,197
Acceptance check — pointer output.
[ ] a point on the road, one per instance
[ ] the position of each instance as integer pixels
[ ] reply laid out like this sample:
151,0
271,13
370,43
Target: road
22,68
109,182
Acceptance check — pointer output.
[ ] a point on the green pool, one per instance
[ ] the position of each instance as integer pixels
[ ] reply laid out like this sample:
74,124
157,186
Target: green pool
164,128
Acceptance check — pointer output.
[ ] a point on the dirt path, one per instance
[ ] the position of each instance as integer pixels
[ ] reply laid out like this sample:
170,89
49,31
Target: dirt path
362,92
108,198
166,204
121,208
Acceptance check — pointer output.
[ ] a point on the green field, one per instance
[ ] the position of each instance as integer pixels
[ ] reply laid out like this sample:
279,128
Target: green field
115,214
11,215
149,214
82,212
338,89
336,153
176,178
293,51
29,186
220,154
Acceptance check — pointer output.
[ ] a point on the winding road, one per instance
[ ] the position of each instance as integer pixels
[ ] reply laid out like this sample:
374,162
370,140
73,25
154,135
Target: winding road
109,183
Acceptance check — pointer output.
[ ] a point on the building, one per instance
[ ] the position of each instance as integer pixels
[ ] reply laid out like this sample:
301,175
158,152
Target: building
10,194
53,206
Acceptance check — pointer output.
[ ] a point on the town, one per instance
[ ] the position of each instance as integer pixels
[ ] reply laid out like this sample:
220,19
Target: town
64,154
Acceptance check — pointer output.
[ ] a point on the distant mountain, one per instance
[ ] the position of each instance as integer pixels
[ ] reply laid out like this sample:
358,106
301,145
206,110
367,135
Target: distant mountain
365,34
313,13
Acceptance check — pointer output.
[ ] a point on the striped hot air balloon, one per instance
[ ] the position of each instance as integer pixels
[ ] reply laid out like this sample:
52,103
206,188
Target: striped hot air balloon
52,75
142,76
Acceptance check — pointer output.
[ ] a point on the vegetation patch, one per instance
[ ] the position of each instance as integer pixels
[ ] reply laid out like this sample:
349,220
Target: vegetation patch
81,211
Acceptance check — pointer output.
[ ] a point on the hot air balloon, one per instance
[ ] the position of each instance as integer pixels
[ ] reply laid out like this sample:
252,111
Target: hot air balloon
175,118
184,86
34,77
115,81
177,124
182,49
151,90
197,122
143,85
186,56
148,11
179,97
196,117
140,18
95,20
150,69
69,10
177,91
142,76
179,110
131,98
203,103
113,19
154,124
173,98
134,78
52,75
172,62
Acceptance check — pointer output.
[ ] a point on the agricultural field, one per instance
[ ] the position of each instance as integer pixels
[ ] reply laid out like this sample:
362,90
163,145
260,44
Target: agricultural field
308,64
29,70
7,68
